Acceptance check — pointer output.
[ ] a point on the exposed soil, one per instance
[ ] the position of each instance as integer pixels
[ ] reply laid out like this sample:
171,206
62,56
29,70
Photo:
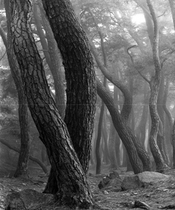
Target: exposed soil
156,195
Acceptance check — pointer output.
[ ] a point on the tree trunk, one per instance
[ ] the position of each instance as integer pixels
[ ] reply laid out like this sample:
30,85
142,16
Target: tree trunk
168,125
98,141
105,142
126,109
123,131
22,167
154,87
173,143
78,109
71,183
141,129
112,149
52,56
161,133
81,94
55,66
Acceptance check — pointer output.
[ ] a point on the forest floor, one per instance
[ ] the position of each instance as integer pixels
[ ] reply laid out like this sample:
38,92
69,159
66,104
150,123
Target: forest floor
159,195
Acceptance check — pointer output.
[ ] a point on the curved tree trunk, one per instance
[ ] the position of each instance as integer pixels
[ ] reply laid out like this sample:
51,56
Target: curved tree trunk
22,167
81,90
72,186
161,134
78,109
126,109
154,87
124,133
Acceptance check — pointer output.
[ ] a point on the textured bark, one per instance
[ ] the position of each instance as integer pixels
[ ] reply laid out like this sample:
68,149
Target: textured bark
122,129
155,127
80,77
72,186
52,56
22,167
154,87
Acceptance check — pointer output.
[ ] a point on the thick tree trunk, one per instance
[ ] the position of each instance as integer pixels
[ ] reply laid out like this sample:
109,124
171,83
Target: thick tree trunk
72,186
22,167
80,78
81,94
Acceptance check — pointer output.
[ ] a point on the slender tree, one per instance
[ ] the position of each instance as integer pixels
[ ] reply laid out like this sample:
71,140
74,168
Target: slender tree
154,87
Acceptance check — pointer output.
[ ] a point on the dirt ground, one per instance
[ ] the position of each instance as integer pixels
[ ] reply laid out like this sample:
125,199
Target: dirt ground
155,195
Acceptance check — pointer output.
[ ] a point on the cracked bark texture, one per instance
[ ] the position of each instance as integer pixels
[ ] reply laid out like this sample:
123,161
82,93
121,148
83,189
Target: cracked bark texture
80,77
72,186
22,167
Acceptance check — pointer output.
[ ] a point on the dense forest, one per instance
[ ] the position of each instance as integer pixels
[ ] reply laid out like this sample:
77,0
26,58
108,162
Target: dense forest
85,87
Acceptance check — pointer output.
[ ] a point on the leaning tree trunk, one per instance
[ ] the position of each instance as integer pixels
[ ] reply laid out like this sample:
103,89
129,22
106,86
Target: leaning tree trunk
126,109
122,129
80,78
72,186
22,167
81,91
